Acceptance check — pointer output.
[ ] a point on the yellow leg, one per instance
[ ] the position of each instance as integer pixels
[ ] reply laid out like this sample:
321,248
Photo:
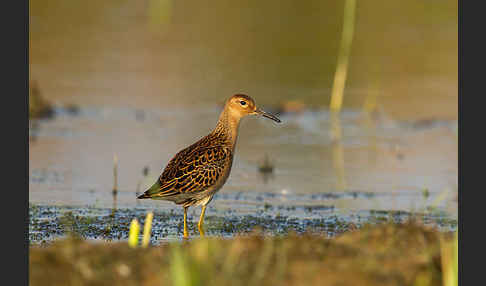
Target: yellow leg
201,221
186,234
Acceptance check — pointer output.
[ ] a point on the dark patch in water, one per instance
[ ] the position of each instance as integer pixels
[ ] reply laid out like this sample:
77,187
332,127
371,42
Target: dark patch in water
72,109
50,222
426,123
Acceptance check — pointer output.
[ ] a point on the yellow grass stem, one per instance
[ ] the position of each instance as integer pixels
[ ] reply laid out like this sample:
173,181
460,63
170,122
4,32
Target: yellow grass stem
115,174
343,57
133,234
160,15
146,229
370,102
184,270
441,197
449,261
374,88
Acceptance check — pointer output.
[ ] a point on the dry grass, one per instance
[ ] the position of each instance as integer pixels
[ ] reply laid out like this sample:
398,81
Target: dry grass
386,254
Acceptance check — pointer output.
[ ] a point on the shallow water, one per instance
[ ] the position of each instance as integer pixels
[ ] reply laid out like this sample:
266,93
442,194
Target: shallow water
48,223
377,164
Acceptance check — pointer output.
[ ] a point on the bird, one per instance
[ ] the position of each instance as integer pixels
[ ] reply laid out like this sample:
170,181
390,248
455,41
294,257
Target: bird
194,175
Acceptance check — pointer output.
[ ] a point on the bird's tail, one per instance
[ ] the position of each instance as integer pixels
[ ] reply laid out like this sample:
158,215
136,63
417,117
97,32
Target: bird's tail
144,196
150,192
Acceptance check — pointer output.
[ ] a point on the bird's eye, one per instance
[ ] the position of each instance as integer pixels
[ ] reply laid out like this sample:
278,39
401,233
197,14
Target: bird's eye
243,102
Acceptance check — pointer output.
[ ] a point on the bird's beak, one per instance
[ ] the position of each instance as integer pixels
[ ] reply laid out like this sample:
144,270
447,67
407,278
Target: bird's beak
267,115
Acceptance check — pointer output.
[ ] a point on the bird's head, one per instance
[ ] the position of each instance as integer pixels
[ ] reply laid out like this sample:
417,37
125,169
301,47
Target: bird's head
241,105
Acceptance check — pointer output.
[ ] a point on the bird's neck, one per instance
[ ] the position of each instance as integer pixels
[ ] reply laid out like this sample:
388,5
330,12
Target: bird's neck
227,126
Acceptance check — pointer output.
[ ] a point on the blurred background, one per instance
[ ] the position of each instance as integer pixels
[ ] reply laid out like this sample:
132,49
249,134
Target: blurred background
143,79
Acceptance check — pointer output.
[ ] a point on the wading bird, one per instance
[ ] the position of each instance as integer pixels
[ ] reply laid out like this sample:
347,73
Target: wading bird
197,172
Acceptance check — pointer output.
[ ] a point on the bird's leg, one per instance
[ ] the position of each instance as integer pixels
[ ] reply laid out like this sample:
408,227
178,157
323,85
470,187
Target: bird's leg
186,234
201,221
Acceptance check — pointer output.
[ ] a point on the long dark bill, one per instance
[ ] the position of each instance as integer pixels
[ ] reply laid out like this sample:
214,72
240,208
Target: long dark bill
267,115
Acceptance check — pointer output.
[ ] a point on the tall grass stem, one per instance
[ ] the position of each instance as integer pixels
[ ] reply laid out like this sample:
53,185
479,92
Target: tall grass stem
343,57
133,233
146,229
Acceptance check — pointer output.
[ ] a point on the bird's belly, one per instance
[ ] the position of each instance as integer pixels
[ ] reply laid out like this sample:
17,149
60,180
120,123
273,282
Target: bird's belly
213,189
210,191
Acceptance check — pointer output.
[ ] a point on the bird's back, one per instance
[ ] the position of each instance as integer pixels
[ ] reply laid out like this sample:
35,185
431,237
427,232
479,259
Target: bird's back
195,172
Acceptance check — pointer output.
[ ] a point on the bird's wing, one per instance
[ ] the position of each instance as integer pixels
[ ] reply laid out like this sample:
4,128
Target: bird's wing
191,170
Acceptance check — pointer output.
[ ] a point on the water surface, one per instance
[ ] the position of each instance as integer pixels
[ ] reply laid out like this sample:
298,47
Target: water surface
397,162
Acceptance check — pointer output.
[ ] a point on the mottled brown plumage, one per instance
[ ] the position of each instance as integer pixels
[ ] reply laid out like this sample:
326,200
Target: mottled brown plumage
197,172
